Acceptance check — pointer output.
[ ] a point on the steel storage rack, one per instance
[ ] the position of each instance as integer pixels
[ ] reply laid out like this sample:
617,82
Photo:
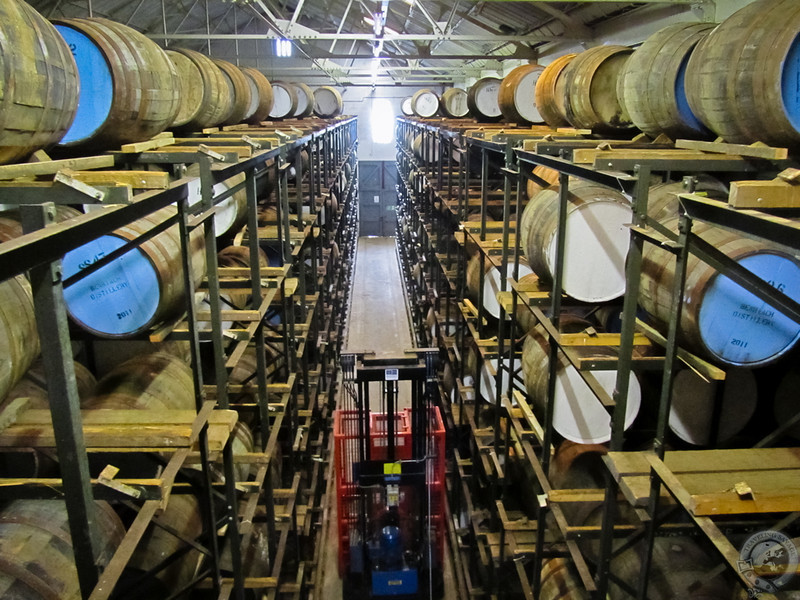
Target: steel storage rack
427,202
289,404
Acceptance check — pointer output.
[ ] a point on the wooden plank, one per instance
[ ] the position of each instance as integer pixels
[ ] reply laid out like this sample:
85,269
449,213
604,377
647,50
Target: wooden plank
143,180
711,504
593,156
636,489
708,461
122,428
599,339
53,487
157,142
132,418
249,583
576,495
745,459
117,564
710,477
756,150
54,166
764,194
241,151
622,464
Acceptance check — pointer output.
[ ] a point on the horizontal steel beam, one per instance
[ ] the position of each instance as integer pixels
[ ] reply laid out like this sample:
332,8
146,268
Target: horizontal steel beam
415,56
367,37
423,71
614,1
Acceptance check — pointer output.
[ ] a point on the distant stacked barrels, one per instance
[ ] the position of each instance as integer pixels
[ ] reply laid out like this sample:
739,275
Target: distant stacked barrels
425,103
739,81
590,83
550,95
207,102
285,100
516,95
305,100
239,91
327,102
483,101
454,103
261,98
89,85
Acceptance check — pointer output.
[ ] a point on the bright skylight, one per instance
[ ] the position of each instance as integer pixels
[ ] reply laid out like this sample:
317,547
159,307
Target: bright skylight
382,121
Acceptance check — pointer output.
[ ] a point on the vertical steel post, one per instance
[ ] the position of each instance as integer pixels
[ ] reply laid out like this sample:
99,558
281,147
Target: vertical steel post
51,323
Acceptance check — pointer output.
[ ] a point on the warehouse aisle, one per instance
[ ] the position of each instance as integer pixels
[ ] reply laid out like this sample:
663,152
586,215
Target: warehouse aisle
378,319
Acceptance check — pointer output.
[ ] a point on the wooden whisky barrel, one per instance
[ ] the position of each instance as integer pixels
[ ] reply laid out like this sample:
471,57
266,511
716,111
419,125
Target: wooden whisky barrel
551,94
663,203
432,150
560,581
38,561
39,82
285,101
328,102
129,88
482,99
548,175
33,385
190,86
577,413
239,257
232,211
238,89
454,103
743,79
592,101
425,103
142,287
305,100
11,225
208,101
596,245
405,107
260,95
491,282
182,515
720,319
653,82
154,381
19,338
692,409
517,95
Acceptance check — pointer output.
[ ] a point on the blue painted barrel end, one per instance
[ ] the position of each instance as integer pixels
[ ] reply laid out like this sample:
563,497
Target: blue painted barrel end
740,329
118,299
684,110
790,84
96,85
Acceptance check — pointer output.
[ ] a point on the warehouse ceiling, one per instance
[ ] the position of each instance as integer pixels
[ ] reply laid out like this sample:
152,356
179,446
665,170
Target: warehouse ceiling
360,42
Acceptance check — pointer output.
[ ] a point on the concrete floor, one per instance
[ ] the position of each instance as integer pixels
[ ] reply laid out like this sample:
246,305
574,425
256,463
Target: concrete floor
378,322
378,314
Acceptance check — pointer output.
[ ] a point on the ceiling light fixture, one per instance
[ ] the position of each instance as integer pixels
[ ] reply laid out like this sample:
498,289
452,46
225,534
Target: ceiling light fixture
283,48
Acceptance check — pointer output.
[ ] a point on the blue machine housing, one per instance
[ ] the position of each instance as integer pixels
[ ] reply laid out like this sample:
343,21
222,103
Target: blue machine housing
395,583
